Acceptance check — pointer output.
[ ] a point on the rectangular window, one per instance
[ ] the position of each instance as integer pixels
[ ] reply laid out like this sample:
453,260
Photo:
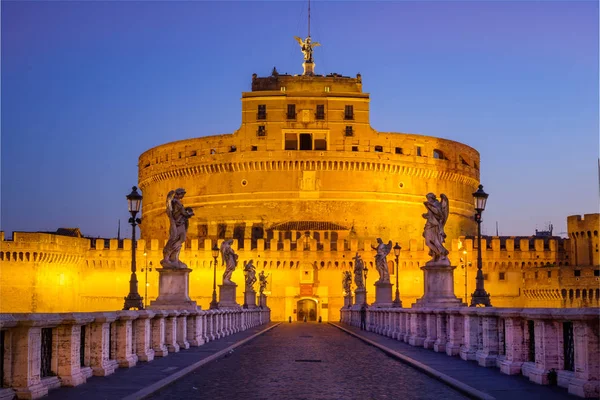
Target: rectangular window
535,275
261,131
419,151
379,149
306,141
320,144
320,111
354,148
349,131
549,274
502,276
254,148
262,111
291,141
597,272
291,111
349,112
399,150
577,272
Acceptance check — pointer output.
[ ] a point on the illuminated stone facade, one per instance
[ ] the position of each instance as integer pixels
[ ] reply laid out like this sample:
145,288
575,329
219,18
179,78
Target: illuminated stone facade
301,187
44,272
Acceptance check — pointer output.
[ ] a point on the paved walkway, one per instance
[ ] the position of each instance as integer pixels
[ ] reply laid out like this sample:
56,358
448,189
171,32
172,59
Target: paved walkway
144,378
490,381
310,361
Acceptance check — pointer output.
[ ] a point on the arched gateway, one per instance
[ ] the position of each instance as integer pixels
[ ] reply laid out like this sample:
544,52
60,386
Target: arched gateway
307,308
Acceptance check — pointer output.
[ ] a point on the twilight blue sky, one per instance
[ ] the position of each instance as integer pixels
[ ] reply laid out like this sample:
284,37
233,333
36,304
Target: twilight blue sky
87,86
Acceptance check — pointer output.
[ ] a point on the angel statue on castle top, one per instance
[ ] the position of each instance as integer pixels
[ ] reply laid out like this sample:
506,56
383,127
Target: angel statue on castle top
307,48
436,216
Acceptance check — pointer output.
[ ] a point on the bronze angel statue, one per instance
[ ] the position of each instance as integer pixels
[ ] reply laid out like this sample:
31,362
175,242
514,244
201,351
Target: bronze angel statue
436,216
307,48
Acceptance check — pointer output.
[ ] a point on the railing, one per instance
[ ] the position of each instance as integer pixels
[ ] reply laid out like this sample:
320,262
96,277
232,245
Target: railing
546,345
44,351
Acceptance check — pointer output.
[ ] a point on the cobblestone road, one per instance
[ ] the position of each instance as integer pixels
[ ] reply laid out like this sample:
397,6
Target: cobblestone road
307,361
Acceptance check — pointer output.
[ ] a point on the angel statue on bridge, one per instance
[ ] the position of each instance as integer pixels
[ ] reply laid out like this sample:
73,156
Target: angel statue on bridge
359,269
307,48
178,225
250,273
262,281
381,260
230,259
436,216
347,283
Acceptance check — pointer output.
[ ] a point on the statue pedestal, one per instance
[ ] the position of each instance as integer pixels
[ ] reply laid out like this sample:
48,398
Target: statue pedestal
309,68
173,289
383,295
439,286
250,299
227,296
361,296
348,301
262,301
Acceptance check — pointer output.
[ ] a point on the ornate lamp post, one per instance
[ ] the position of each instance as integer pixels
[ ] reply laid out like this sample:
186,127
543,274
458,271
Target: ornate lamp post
214,304
145,270
133,299
480,297
365,271
397,302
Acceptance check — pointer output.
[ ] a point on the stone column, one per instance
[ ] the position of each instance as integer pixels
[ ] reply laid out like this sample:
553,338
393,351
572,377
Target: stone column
438,286
69,344
143,337
171,332
417,329
195,336
124,328
586,331
468,350
27,341
486,357
547,348
182,330
404,326
158,334
100,344
442,331
514,336
431,329
383,295
455,332
173,290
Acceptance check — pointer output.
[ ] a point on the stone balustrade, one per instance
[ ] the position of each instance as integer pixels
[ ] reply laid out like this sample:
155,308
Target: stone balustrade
39,352
547,345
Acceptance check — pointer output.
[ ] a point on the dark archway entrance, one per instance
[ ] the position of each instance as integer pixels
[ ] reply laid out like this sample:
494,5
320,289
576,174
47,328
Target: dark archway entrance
307,308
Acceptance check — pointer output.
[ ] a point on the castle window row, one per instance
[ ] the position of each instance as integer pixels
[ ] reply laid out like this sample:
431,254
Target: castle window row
261,112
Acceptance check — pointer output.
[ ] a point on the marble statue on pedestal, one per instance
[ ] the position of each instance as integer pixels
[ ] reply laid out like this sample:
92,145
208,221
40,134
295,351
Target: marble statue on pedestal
178,225
347,282
229,259
262,281
250,274
436,216
381,260
359,268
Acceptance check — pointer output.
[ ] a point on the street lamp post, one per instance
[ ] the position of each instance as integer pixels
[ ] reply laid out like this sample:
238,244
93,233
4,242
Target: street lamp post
480,297
397,302
365,271
465,266
133,299
145,270
214,304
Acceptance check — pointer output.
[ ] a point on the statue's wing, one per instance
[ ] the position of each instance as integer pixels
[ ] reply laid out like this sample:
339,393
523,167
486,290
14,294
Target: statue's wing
315,44
169,204
300,41
445,210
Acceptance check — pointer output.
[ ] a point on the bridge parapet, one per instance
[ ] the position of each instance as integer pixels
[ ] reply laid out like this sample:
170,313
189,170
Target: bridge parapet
41,352
547,345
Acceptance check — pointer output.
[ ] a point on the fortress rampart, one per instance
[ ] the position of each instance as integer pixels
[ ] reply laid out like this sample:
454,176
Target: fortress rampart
51,273
583,233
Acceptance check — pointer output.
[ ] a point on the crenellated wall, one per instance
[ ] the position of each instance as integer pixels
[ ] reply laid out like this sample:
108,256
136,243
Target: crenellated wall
584,238
43,272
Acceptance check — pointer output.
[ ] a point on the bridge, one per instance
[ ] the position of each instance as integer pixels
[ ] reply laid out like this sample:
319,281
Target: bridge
419,353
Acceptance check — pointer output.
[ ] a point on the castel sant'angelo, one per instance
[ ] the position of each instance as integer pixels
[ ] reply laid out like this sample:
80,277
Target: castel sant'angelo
301,187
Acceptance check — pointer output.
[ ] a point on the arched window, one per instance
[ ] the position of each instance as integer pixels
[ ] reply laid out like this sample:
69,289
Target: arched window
438,154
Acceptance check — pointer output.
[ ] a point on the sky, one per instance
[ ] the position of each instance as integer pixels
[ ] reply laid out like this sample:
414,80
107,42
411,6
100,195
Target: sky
87,86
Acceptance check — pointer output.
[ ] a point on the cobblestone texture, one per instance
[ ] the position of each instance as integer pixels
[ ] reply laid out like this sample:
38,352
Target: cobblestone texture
268,368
